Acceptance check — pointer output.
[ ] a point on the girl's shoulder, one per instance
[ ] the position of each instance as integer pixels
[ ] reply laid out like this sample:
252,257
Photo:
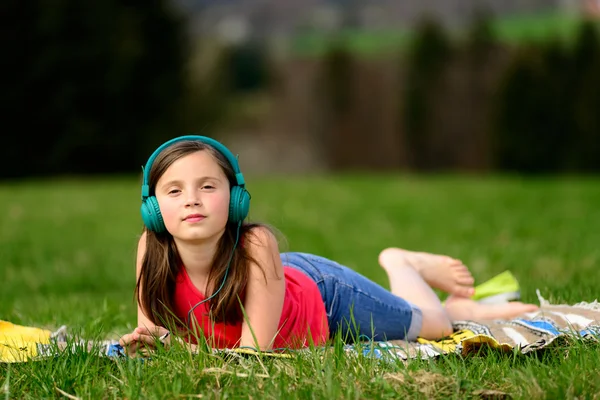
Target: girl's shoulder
258,235
263,250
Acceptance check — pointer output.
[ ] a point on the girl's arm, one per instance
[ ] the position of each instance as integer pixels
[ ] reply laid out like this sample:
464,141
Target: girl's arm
134,340
264,292
142,320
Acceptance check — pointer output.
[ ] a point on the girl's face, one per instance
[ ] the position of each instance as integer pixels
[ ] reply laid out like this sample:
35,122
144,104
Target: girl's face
193,195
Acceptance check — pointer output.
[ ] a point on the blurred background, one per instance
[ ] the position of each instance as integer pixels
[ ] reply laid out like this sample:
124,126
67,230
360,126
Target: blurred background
303,86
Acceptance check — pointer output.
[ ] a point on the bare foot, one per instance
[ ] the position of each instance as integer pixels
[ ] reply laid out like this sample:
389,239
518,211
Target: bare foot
440,272
461,308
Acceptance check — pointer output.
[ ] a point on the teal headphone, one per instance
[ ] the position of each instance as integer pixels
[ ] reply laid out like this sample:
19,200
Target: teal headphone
239,204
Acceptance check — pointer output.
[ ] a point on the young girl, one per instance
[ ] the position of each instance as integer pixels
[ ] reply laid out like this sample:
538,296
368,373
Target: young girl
204,272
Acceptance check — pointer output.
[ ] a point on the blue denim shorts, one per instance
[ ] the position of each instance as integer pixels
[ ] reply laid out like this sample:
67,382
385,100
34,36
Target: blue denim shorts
357,307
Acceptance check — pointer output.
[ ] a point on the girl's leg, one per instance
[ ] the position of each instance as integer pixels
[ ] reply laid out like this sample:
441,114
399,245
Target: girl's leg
356,306
440,272
462,308
407,282
412,276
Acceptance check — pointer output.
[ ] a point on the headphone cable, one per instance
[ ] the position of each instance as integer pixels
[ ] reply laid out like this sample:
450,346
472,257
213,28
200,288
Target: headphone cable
237,237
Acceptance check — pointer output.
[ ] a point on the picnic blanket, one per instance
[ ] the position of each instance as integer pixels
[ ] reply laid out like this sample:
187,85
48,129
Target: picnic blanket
552,324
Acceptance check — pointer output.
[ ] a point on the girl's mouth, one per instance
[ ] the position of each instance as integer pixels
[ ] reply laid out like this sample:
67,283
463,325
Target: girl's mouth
194,218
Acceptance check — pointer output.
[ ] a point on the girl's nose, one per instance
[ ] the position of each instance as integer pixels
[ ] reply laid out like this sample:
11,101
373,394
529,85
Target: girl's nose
193,200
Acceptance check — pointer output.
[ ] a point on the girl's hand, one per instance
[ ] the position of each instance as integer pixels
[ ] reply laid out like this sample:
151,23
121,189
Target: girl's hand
151,335
131,345
143,339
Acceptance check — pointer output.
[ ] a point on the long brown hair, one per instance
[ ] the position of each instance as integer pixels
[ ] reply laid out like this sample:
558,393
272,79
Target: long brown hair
161,263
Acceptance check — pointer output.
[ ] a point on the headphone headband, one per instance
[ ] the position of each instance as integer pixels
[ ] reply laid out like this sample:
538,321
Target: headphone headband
206,140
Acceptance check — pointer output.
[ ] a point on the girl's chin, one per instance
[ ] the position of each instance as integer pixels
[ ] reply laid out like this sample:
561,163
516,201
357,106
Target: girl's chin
199,236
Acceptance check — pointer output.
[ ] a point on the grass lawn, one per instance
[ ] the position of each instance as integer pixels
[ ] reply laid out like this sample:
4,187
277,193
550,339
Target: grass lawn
67,251
513,30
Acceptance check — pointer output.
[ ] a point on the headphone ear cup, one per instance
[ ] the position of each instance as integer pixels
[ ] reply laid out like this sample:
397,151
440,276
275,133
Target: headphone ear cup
239,204
151,215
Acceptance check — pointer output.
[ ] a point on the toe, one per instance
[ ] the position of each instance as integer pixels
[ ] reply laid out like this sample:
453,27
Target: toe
463,291
460,268
465,280
452,261
463,273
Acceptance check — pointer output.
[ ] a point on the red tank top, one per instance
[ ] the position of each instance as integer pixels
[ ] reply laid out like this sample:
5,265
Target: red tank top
303,313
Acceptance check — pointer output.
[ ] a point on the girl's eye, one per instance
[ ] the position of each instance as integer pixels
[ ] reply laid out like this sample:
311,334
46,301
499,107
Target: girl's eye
174,191
208,187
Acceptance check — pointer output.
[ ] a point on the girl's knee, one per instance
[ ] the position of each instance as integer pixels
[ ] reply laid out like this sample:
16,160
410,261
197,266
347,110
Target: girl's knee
385,254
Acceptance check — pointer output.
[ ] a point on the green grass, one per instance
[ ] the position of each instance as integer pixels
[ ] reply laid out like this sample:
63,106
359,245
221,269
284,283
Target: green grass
67,257
511,30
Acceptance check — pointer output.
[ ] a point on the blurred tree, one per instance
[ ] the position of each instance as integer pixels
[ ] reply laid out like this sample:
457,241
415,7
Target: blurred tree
547,112
89,86
480,38
247,66
336,85
337,78
531,129
426,61
585,103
